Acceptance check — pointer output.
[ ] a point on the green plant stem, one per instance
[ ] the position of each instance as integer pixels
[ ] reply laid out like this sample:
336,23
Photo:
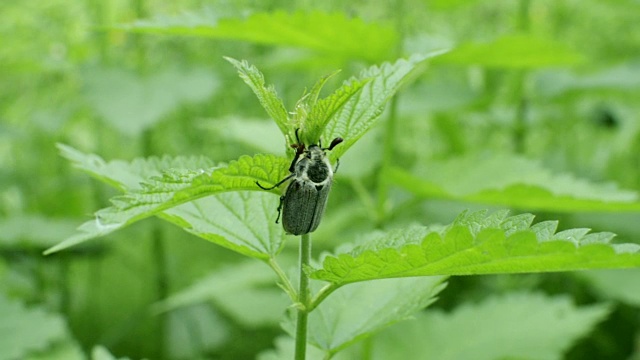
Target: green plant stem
322,294
285,282
303,298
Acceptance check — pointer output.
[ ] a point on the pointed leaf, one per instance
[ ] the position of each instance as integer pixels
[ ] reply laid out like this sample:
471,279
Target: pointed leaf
179,186
470,246
513,181
267,96
361,111
324,110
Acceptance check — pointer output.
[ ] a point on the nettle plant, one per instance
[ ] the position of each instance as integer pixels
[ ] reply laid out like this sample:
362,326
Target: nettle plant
334,302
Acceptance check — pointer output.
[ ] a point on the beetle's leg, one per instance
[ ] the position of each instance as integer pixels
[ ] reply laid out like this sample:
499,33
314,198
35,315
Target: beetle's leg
337,166
280,208
276,185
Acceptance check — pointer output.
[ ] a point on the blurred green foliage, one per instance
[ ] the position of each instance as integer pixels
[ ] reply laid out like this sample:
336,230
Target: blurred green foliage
550,84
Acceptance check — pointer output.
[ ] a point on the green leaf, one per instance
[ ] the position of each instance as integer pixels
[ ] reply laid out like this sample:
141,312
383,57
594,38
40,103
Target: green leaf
323,111
514,326
356,311
242,221
474,244
364,107
331,34
267,96
27,330
241,291
179,186
509,180
515,51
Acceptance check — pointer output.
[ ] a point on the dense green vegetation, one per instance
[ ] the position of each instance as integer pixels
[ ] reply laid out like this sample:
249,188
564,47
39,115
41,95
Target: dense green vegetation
447,108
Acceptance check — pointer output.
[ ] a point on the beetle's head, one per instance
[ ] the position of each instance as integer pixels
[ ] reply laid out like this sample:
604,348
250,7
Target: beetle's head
315,152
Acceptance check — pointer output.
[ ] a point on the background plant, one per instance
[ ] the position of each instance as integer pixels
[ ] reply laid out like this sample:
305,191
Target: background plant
512,109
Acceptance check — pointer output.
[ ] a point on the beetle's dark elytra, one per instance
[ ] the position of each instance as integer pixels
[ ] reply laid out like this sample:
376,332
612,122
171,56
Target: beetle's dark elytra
303,206
304,201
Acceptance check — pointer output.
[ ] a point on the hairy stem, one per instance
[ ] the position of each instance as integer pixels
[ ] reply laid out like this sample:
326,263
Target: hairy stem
303,298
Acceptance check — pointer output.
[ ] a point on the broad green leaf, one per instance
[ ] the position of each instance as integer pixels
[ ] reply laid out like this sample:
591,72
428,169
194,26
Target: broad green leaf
362,109
357,311
621,285
178,186
508,180
267,96
242,221
27,330
513,326
240,290
477,244
514,51
133,103
332,34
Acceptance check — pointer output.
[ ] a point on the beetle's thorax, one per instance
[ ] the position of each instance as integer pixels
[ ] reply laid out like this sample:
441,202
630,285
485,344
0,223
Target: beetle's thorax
314,166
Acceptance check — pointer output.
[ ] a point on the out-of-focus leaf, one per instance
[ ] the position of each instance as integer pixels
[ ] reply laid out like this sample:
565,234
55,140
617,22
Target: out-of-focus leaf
620,78
515,326
26,330
101,353
132,103
514,51
508,180
331,34
477,244
240,290
33,231
358,310
621,285
284,350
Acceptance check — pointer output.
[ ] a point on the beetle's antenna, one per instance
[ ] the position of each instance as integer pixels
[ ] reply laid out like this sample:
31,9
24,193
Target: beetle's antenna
334,143
276,185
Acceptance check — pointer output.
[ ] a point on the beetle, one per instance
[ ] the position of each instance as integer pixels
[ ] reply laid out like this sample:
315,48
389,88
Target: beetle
303,203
